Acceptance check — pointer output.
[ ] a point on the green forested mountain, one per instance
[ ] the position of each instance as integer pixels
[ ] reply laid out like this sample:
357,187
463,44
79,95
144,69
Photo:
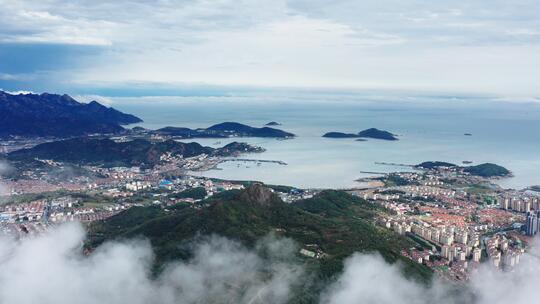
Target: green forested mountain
338,223
131,153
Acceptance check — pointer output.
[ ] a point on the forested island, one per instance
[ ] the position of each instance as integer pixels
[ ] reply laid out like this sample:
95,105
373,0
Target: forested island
372,133
224,130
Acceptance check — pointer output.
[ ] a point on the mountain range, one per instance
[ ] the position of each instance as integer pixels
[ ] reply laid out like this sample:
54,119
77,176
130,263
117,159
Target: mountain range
43,115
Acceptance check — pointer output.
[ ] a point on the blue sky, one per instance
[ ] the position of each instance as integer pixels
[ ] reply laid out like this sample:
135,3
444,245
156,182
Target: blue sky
212,47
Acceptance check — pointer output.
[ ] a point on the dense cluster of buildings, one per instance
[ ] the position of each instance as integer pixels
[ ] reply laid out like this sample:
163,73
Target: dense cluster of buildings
503,252
32,211
454,230
450,243
519,203
57,210
532,223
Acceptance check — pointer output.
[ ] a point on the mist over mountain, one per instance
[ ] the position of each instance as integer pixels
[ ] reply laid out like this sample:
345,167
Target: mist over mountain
32,115
335,222
221,270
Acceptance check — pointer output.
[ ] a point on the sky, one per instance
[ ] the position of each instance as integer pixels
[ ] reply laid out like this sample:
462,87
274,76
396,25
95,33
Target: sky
201,46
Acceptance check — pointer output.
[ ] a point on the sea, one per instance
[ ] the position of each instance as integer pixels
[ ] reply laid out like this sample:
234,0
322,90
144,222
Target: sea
429,128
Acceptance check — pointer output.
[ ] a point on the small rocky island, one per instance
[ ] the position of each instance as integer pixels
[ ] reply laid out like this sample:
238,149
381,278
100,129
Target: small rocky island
372,133
340,135
273,123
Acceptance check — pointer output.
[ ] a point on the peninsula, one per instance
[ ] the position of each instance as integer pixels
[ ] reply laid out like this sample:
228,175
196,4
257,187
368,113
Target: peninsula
87,151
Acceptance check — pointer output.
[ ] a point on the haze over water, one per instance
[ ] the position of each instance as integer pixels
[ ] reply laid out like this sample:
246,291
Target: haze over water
429,128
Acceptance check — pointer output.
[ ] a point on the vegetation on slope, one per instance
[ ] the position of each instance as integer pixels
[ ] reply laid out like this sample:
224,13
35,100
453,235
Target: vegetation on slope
337,222
131,153
223,130
487,170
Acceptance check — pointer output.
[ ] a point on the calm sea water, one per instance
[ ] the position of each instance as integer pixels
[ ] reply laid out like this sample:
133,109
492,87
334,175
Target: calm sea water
429,129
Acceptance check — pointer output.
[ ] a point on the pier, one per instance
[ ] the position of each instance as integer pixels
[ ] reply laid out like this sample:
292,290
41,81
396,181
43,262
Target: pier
394,164
279,162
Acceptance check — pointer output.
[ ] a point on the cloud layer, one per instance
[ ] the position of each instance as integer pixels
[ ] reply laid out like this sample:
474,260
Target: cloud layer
481,46
51,269
369,279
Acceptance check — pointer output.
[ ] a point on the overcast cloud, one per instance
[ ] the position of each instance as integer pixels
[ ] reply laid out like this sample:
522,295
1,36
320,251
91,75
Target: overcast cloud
453,46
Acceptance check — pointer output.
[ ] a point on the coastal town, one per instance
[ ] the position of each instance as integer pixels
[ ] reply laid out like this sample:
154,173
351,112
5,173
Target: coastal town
454,220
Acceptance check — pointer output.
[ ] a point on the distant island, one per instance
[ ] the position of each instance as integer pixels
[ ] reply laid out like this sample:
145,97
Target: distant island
44,115
368,133
377,134
340,135
487,170
273,123
224,130
137,152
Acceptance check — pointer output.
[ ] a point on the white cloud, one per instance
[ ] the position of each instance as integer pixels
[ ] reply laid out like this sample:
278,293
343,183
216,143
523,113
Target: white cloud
50,269
16,77
16,93
369,279
433,45
88,98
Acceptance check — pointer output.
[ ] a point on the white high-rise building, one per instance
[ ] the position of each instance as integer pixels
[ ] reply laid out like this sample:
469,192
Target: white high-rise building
477,254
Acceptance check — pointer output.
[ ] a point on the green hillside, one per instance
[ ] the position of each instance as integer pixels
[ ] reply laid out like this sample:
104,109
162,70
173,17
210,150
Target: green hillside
130,153
487,170
337,222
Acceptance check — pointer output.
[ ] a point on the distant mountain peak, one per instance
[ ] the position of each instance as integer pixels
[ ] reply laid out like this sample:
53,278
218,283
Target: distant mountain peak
93,102
96,105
